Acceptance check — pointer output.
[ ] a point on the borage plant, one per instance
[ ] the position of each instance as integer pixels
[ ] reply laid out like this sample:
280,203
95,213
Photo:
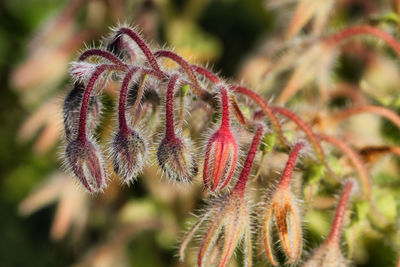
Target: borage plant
148,82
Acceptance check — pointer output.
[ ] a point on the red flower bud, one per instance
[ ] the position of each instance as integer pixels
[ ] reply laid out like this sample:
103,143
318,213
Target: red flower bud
221,152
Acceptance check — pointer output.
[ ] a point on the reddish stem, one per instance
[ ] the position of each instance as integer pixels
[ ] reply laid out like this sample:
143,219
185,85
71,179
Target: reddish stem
334,235
364,29
101,53
123,126
169,108
266,109
206,73
382,111
355,159
143,46
288,171
197,89
225,109
178,59
86,97
240,186
306,129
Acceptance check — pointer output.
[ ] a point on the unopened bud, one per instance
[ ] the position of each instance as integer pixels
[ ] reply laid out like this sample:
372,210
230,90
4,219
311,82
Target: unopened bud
128,153
176,160
86,163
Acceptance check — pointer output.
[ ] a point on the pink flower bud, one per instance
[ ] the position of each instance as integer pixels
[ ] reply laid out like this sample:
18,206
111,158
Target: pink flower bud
128,153
86,163
221,152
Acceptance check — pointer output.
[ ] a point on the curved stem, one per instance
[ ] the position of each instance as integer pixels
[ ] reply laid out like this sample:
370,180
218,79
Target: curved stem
364,30
266,109
206,73
288,171
197,89
101,53
355,159
225,109
143,46
334,235
240,186
382,111
306,129
123,126
86,97
169,108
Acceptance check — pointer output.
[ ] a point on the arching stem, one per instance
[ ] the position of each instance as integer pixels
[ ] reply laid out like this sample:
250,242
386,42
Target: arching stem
266,109
86,97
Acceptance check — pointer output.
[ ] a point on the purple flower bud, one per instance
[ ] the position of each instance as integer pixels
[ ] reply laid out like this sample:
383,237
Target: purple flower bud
86,163
176,160
71,111
128,154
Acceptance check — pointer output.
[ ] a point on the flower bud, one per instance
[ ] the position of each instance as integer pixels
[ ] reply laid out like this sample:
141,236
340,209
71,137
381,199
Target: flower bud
176,160
221,152
220,159
128,153
282,209
86,163
227,217
71,111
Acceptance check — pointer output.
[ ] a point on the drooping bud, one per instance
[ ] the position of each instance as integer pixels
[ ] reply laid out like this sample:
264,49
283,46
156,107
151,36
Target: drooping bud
128,152
85,161
282,208
221,151
71,111
328,254
176,160
174,154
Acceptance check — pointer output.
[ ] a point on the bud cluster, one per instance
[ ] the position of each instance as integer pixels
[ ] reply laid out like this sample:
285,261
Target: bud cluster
148,87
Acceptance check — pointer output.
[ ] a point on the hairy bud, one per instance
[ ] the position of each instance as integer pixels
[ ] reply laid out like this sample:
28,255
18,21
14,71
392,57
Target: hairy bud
86,163
176,160
128,152
228,217
221,152
282,209
71,111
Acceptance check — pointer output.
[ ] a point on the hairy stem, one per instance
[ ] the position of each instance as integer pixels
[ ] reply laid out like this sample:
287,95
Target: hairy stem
240,186
86,97
334,235
266,109
169,108
143,46
206,73
123,126
101,53
290,164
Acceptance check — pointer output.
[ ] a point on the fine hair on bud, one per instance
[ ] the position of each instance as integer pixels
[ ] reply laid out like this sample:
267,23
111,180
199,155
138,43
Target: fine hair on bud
176,159
128,154
71,111
86,162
